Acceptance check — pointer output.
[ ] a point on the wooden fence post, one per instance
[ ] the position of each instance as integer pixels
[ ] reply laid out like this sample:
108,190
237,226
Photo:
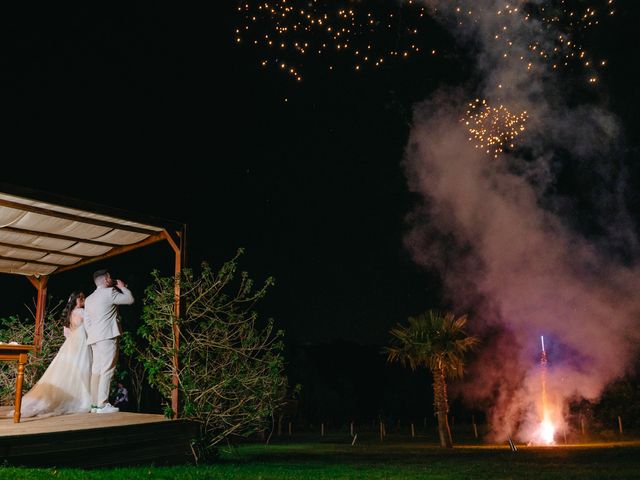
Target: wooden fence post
620,424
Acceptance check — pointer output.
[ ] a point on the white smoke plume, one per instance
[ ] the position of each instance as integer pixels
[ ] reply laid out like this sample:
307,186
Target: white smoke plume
506,246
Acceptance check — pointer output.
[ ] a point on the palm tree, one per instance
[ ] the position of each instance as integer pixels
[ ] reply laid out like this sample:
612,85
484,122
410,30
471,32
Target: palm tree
438,342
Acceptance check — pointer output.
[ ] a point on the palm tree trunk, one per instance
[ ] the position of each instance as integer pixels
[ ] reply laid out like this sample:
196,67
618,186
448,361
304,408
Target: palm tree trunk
442,407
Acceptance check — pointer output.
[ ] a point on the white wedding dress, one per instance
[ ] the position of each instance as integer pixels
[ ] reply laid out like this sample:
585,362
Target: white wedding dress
64,387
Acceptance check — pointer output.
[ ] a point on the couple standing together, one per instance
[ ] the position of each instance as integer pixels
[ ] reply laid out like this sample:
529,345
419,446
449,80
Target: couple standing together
79,377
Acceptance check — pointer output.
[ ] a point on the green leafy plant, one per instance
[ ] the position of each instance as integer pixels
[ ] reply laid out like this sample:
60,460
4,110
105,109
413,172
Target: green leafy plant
21,330
133,372
230,371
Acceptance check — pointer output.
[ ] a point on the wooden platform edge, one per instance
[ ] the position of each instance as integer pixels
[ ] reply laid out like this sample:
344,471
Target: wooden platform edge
154,443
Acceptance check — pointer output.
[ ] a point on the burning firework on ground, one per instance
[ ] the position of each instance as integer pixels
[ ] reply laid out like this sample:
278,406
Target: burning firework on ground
548,418
493,129
547,429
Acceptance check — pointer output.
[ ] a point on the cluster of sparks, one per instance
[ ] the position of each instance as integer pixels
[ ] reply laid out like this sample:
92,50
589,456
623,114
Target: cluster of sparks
493,129
567,48
289,33
561,26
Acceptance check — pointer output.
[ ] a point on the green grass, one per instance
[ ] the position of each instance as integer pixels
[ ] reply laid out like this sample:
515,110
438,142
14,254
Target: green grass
374,461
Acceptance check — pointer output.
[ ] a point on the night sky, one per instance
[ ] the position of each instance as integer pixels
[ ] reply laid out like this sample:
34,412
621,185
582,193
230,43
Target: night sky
154,108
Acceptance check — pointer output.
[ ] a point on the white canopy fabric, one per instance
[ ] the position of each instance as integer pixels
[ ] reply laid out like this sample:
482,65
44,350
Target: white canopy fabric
37,238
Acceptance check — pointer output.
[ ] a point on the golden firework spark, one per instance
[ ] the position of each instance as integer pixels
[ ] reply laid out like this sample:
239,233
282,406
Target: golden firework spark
493,129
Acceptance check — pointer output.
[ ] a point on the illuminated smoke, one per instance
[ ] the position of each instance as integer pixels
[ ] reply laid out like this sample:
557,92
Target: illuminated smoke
507,246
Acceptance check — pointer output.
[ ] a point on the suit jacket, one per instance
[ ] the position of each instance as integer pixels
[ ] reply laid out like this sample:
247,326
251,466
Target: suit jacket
101,313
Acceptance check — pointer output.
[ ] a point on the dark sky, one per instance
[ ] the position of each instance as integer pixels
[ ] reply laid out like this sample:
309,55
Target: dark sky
153,107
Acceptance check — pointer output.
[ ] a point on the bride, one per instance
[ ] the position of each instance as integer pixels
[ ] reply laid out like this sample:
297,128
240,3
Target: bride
64,386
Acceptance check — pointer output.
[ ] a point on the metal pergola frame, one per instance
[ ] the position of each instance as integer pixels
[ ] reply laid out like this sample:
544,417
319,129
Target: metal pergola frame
171,231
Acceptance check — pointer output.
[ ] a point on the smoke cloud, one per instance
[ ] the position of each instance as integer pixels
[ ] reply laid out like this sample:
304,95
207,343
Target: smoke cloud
511,249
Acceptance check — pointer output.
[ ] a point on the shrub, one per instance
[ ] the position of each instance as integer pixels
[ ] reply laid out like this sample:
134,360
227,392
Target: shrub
15,329
230,373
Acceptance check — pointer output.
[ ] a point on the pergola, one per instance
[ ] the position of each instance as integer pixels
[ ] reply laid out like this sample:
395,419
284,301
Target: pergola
43,234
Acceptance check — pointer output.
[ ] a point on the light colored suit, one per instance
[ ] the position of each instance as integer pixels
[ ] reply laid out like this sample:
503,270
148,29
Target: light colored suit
101,313
103,330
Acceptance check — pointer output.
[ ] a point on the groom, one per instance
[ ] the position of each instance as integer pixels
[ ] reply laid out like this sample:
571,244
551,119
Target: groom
103,330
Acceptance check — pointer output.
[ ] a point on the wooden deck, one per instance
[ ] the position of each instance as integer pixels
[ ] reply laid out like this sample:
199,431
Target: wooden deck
95,440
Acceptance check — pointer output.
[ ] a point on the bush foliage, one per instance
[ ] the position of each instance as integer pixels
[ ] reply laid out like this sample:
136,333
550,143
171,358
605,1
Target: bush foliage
21,330
230,373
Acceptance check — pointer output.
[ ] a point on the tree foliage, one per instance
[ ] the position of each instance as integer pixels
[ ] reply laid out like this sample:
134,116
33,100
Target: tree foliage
230,372
432,340
438,342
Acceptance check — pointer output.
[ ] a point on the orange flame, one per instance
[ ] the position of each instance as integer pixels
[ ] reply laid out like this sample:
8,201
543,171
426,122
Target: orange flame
546,430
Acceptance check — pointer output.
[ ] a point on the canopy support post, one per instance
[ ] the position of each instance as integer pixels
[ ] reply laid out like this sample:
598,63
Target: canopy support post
177,243
41,303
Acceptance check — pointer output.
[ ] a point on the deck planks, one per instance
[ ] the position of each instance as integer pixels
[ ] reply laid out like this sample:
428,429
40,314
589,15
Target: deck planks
95,440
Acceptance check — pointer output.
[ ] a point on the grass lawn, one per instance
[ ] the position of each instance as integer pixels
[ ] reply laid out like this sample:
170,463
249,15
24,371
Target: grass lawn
406,460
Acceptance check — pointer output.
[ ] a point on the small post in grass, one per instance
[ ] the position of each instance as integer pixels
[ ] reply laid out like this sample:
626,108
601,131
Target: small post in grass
322,429
475,427
381,431
289,428
620,424
413,431
355,437
351,429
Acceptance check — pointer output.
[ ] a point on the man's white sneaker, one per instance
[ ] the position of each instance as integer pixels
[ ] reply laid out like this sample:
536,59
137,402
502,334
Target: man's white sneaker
107,408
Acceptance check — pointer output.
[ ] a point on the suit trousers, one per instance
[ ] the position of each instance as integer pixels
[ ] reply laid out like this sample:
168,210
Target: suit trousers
105,355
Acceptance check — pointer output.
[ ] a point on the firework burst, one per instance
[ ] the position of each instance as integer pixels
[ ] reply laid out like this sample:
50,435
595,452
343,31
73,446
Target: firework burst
493,129
557,31
289,34
568,23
